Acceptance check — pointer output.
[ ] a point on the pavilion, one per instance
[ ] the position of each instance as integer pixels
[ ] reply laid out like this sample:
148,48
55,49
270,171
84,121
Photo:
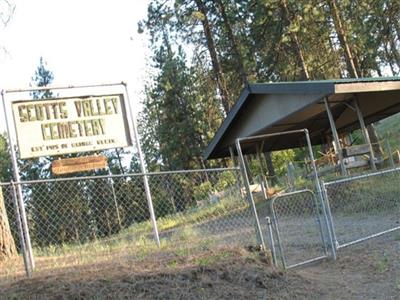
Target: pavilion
326,108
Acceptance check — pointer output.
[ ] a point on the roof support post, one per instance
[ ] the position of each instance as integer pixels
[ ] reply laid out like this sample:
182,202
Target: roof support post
232,156
365,133
263,181
389,150
338,147
258,151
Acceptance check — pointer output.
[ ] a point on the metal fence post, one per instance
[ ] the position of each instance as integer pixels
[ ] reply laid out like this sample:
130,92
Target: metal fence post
328,219
271,240
278,236
260,238
110,179
319,190
19,190
25,227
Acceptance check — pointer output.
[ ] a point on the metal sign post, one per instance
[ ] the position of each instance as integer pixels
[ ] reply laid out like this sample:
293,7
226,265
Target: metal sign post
17,178
143,169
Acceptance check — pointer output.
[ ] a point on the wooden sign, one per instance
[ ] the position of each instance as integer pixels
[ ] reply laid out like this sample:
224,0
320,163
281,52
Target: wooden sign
78,164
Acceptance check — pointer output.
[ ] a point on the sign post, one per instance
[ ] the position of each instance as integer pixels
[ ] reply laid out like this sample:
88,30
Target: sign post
17,178
143,169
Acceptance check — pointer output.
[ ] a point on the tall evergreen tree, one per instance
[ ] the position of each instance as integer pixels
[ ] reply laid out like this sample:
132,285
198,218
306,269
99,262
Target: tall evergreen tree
170,107
272,40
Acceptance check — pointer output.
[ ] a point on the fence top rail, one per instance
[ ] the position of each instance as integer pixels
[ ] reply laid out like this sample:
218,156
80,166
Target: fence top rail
362,176
107,176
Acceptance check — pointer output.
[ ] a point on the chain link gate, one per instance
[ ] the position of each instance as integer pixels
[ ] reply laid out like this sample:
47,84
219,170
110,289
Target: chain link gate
299,227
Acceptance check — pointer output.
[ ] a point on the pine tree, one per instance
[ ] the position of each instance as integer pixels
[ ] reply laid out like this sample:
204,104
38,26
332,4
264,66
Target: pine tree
273,40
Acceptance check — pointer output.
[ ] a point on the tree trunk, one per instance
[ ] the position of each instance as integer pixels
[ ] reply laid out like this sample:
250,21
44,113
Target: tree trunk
395,51
340,31
393,14
7,244
214,57
389,59
234,45
352,64
270,167
397,28
296,44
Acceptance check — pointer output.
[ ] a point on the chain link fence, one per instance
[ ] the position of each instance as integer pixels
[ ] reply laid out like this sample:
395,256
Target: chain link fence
94,221
103,221
299,228
364,206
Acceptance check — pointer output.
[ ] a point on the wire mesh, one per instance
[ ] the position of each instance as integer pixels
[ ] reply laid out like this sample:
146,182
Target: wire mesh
364,206
208,206
98,221
299,228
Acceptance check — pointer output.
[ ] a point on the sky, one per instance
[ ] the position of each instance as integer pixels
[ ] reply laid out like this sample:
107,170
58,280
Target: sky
83,42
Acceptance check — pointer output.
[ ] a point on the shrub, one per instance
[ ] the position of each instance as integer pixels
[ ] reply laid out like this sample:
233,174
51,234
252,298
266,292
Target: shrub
202,191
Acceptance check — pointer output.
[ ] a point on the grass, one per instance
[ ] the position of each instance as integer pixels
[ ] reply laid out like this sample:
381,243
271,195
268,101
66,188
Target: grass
139,235
370,195
382,263
223,207
184,243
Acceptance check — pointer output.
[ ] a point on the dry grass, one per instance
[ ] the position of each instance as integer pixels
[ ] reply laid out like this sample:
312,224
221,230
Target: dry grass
365,271
166,274
69,258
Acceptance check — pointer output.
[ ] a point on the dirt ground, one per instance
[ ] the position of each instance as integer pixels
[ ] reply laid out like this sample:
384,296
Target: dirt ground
369,270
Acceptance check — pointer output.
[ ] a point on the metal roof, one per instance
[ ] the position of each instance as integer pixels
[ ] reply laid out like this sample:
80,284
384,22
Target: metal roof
272,107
